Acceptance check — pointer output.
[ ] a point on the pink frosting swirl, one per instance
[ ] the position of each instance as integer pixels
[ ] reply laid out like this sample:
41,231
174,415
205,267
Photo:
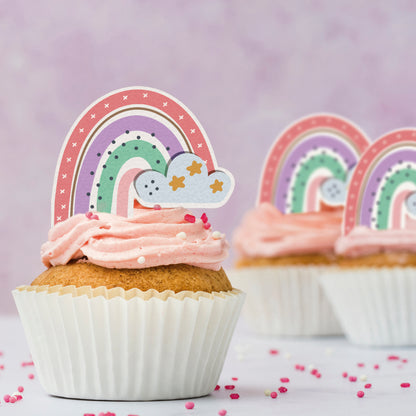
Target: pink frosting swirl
149,238
266,232
363,241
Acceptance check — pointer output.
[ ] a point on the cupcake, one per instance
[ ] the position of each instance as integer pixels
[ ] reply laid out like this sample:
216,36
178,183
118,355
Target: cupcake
287,241
373,290
134,303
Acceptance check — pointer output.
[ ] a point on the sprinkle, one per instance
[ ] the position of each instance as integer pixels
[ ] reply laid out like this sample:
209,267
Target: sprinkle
222,412
288,355
345,374
267,393
352,379
318,375
6,398
404,360
157,207
273,394
229,387
367,386
376,366
27,363
360,364
314,371
18,396
234,378
216,235
204,218
360,394
273,352
181,235
189,218
207,226
20,389
217,387
393,357
405,385
311,366
2,367
189,405
89,414
282,389
141,260
234,396
31,376
299,367
12,399
284,380
363,377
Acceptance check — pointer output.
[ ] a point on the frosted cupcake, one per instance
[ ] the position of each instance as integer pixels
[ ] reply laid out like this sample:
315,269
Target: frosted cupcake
373,292
287,242
134,304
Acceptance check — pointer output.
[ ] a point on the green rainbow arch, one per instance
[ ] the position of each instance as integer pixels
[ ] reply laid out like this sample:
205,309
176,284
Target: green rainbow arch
305,172
116,161
387,193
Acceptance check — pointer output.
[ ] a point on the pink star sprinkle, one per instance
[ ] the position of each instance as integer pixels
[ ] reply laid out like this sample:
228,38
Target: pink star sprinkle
314,371
6,398
234,396
222,412
405,385
299,367
207,225
282,389
20,389
217,387
360,394
12,399
273,394
367,386
189,405
204,218
189,218
352,379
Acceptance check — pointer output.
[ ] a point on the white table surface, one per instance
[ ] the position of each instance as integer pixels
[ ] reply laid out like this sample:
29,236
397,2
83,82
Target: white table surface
248,359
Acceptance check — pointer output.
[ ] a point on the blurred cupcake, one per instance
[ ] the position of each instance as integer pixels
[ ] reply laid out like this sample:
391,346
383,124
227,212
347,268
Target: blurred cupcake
134,304
287,242
373,292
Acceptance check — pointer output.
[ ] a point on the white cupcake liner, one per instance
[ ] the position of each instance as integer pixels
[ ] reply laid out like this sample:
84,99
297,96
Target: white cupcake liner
286,300
127,345
376,307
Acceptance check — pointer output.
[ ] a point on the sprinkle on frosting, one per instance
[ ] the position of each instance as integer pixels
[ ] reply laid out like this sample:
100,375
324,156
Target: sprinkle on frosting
141,260
181,235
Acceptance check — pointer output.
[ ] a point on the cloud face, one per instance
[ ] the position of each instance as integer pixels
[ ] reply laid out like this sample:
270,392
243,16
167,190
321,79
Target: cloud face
187,184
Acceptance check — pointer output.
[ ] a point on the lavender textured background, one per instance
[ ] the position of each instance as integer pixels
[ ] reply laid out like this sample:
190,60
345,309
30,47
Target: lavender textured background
245,68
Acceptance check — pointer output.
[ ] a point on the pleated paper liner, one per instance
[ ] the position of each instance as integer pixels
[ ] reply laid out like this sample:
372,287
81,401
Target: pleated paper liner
286,300
127,345
375,306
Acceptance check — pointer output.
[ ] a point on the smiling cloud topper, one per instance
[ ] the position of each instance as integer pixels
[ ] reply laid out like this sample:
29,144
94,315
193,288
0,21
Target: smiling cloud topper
187,183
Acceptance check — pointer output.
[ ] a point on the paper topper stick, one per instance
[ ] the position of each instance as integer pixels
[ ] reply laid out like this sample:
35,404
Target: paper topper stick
310,162
382,192
116,138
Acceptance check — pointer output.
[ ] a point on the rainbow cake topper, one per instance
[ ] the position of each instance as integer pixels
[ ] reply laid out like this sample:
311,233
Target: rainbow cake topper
382,192
123,140
310,163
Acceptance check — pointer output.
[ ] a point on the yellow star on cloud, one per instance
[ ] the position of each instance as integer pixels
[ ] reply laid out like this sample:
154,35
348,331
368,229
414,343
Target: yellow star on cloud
176,182
194,168
216,186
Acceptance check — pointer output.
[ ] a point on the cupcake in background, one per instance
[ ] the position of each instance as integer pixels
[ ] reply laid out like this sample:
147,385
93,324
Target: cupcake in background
286,243
134,304
374,289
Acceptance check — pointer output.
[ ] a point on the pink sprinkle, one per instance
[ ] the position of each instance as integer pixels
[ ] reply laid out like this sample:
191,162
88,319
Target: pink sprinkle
89,414
405,385
1,353
189,218
360,394
88,214
6,398
376,366
404,360
222,412
234,396
345,374
273,394
273,352
360,364
20,389
204,218
18,397
352,378
234,378
393,357
319,375
284,380
299,367
368,386
12,399
217,387
189,405
31,376
229,387
207,226
27,363
314,371
282,389
2,367
157,207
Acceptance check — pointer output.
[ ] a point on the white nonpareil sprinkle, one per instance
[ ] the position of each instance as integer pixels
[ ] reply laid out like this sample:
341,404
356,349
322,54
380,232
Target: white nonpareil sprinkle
216,235
267,392
311,367
141,260
363,377
181,235
288,355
